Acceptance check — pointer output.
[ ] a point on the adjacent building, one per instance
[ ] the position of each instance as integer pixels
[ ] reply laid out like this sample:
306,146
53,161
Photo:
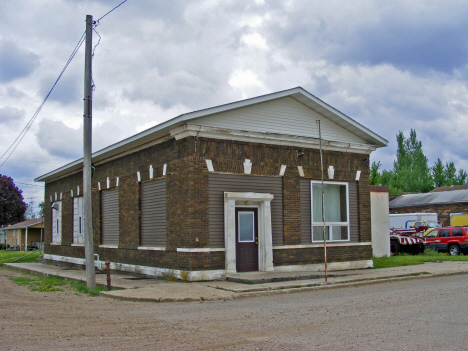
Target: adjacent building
228,189
21,235
444,201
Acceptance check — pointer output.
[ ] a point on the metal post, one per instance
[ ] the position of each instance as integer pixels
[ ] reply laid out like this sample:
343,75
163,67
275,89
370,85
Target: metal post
109,285
87,147
323,206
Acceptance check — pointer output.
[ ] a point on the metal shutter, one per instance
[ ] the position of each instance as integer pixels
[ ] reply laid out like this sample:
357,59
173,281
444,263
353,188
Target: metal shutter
220,183
110,217
153,213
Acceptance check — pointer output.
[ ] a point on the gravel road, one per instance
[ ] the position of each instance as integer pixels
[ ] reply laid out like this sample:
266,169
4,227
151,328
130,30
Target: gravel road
421,314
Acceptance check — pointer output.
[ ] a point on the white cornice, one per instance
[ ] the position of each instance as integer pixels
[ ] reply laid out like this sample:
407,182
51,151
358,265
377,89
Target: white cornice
187,130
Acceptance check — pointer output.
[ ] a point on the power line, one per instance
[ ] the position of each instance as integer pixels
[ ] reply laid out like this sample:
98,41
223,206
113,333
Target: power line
21,135
97,22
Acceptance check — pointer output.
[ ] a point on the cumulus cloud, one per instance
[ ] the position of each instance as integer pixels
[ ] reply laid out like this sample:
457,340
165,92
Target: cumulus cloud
16,62
390,66
60,140
9,115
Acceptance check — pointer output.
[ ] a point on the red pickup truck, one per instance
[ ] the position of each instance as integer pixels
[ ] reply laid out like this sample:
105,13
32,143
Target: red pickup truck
448,239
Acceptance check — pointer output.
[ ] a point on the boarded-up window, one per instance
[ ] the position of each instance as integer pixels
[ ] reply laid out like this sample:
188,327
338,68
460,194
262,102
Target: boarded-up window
78,229
110,217
306,234
220,183
57,222
153,213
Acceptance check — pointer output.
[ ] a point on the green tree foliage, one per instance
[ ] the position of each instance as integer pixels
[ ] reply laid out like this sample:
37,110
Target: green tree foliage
438,174
447,175
41,209
411,172
12,206
374,176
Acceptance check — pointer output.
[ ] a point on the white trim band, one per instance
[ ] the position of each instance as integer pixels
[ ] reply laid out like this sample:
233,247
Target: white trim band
311,246
150,271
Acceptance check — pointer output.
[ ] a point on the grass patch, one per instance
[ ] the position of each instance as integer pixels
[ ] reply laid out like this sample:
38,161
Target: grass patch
404,259
40,283
37,283
82,288
18,256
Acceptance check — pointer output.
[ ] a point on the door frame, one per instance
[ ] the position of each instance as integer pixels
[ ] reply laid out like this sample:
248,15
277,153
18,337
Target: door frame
262,201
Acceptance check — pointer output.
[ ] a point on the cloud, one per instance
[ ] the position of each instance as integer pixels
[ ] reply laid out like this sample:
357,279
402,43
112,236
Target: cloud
60,140
416,35
69,89
16,62
9,115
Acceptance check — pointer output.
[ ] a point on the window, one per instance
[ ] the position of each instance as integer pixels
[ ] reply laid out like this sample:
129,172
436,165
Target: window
57,222
78,229
457,232
336,206
444,233
432,234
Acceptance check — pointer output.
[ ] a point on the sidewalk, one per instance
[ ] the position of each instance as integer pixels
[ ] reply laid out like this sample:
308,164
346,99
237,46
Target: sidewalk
135,288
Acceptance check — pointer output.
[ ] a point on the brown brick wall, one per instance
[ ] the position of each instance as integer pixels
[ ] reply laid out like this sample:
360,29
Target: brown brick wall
187,199
315,255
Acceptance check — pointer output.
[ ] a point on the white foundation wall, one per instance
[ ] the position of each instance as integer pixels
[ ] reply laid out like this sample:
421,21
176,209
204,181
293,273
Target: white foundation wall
380,224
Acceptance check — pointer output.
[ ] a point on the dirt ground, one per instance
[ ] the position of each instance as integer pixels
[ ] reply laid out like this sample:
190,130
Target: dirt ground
385,316
68,320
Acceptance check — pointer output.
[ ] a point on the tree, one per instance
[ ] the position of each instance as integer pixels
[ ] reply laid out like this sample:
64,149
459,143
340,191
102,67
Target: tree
374,176
447,175
12,206
438,174
41,209
461,177
411,170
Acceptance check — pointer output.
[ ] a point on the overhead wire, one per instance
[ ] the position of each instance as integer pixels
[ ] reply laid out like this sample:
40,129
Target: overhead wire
21,135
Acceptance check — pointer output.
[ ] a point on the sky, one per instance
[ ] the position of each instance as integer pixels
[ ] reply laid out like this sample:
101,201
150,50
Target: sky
390,65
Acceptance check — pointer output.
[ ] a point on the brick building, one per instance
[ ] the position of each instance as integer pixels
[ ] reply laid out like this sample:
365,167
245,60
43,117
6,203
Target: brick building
231,188
444,201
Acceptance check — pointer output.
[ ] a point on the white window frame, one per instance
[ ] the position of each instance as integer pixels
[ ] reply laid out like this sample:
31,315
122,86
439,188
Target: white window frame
57,223
78,227
328,224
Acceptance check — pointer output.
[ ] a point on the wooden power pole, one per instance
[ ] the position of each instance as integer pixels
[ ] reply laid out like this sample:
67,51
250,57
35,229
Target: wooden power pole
87,147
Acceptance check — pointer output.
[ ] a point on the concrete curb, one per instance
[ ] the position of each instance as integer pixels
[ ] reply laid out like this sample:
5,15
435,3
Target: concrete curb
205,292
280,291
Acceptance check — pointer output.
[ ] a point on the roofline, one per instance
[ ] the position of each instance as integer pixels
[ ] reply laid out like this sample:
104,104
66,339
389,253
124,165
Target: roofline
430,204
14,226
209,111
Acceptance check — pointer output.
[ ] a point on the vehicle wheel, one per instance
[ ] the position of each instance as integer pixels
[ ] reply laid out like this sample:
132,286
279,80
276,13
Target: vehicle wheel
394,247
454,250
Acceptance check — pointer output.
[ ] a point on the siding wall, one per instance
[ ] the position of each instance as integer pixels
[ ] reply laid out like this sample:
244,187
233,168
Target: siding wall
153,213
220,183
306,214
282,116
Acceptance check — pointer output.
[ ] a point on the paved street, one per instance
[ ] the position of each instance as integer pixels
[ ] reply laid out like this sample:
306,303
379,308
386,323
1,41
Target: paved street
420,314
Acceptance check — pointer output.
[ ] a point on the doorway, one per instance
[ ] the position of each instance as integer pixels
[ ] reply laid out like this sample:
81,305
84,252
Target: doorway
246,239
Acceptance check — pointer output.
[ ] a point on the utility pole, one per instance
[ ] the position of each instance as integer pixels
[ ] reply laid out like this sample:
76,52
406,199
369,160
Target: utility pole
323,205
87,143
